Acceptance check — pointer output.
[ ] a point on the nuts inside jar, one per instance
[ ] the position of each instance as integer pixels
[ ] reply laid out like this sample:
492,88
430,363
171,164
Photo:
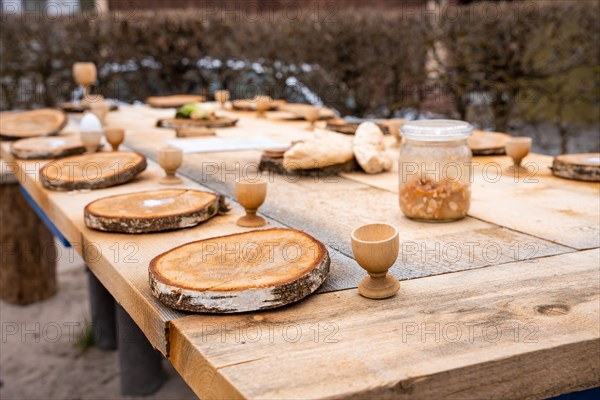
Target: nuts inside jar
422,198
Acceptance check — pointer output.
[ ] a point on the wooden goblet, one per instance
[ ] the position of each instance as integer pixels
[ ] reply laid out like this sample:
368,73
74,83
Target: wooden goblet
222,96
251,194
394,128
375,247
115,137
100,109
170,159
91,140
517,148
85,74
312,115
262,105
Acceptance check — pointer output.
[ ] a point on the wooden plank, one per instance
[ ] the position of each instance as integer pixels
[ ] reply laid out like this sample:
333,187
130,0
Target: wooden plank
533,202
517,330
330,207
556,290
120,261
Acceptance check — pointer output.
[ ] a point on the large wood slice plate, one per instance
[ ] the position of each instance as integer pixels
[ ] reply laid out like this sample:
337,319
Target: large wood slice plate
297,111
174,101
250,104
581,167
79,107
269,268
26,124
181,123
47,147
152,211
342,126
274,163
484,143
92,171
349,126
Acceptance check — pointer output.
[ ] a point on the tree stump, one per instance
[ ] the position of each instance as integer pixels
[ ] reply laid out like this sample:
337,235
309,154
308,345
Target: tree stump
28,262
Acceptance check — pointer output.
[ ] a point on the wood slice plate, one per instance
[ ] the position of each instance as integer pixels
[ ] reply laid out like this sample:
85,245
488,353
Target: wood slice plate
197,131
27,124
484,143
349,127
581,167
180,123
174,101
92,171
47,147
269,268
152,211
342,126
296,111
275,164
79,107
250,105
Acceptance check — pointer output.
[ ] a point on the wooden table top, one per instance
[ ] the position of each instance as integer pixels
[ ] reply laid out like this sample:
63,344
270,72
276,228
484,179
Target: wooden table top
504,303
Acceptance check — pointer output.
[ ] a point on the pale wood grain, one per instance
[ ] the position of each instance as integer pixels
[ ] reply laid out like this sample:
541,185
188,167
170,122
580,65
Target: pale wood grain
531,201
121,262
329,207
556,289
372,351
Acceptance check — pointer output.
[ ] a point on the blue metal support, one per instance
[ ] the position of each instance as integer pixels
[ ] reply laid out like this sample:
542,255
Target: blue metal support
51,227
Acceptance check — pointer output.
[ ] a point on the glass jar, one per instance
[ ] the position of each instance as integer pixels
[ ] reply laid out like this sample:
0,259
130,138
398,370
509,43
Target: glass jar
435,170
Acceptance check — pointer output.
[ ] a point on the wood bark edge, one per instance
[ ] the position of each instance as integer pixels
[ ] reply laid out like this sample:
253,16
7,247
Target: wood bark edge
111,180
580,172
190,300
150,225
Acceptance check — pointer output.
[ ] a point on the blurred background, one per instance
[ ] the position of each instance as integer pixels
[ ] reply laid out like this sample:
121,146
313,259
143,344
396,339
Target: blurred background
526,67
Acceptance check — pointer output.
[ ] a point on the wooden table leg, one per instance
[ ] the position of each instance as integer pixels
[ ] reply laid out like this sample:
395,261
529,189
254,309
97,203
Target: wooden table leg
142,373
28,261
102,307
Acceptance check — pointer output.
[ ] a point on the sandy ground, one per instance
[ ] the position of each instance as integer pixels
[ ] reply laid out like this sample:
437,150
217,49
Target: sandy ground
39,353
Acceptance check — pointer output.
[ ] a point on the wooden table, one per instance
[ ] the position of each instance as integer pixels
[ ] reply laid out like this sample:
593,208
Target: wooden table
504,303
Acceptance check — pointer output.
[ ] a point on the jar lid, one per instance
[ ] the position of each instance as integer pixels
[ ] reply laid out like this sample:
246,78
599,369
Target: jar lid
436,130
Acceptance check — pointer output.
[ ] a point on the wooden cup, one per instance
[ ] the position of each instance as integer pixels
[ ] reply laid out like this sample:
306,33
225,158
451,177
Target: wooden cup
91,140
251,194
85,74
375,247
262,105
517,148
394,128
114,136
170,159
312,115
222,96
100,109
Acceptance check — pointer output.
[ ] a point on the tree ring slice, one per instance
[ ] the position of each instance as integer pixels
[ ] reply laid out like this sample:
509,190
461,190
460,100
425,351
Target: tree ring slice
248,271
151,211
